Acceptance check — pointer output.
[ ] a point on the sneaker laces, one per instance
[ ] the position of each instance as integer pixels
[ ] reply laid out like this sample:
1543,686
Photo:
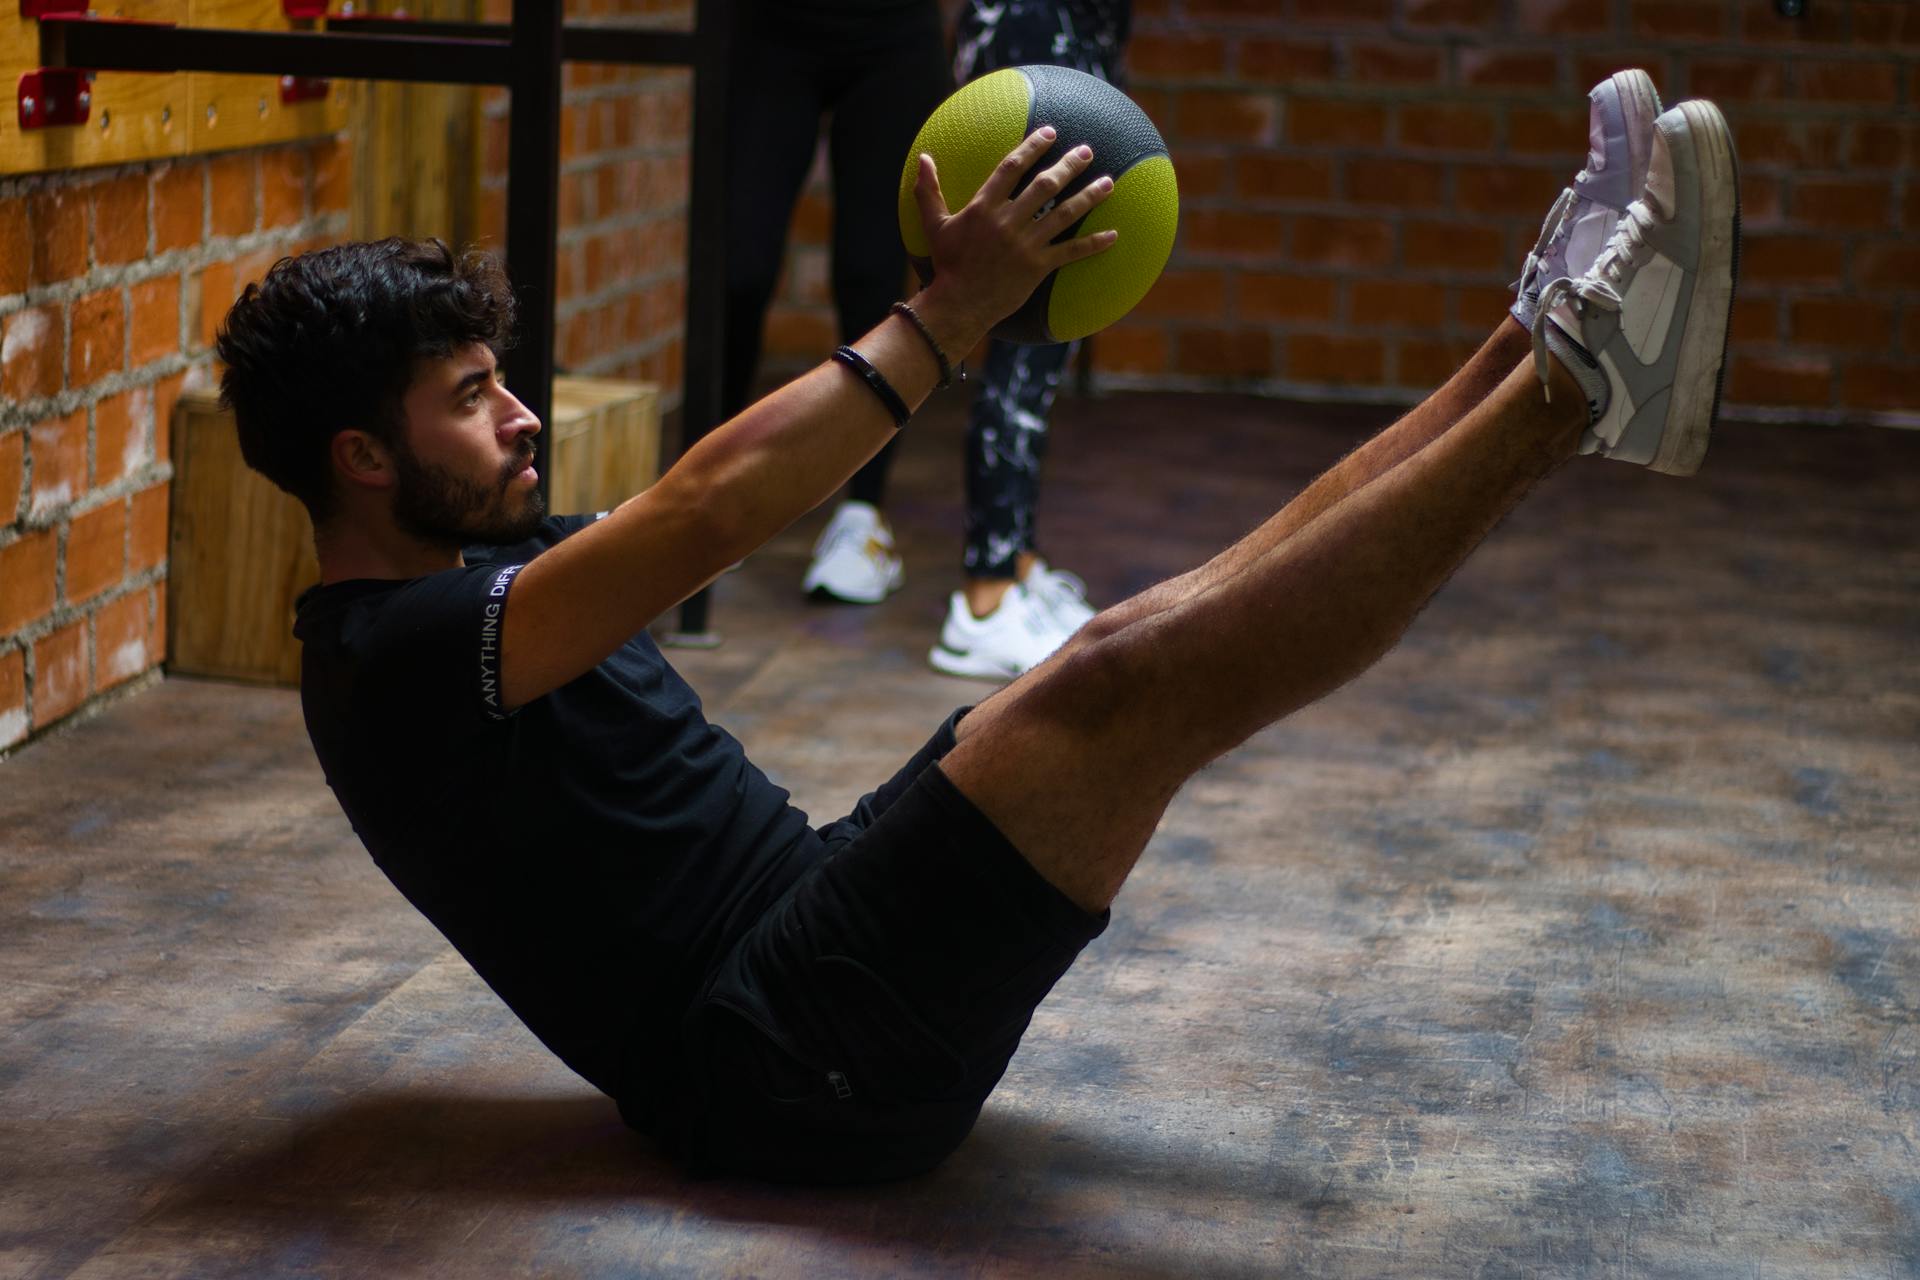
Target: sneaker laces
1603,286
1551,228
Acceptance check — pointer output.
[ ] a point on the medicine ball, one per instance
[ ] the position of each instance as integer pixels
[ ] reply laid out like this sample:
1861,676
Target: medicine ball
973,130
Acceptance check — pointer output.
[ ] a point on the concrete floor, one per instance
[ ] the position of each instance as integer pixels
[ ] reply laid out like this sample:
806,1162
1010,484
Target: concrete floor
1581,938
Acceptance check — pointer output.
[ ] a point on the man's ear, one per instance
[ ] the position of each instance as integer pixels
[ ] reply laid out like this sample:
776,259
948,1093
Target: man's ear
362,461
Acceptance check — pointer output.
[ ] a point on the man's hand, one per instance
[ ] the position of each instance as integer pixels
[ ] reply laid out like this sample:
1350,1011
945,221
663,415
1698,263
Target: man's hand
991,255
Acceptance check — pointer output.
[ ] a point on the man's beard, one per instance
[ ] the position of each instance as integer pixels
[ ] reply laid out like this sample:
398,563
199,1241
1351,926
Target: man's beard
438,507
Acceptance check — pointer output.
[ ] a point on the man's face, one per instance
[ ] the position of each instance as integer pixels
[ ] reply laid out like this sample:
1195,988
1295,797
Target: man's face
464,459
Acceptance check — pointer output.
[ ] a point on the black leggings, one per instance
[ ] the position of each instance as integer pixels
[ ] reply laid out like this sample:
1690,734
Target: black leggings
880,71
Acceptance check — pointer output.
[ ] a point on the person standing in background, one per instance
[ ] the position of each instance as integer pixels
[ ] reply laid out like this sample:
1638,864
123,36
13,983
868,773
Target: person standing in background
1014,609
878,68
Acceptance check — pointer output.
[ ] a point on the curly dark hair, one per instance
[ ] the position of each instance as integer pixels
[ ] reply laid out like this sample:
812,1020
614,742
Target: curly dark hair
329,340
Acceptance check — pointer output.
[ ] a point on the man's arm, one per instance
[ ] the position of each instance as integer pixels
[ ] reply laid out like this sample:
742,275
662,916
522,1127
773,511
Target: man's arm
760,471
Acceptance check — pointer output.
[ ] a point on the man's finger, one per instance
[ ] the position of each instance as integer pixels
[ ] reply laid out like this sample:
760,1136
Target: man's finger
926,194
1075,207
1051,181
1000,183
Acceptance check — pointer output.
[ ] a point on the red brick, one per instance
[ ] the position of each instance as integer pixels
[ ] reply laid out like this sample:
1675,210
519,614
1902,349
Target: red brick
1755,321
147,545
1453,245
1314,357
212,293
1428,362
96,551
1745,79
119,219
1481,14
1395,182
1335,122
1842,322
13,474
99,342
1590,68
27,573
58,447
1884,23
155,324
1269,61
166,394
1235,232
59,217
1224,353
1209,115
283,186
1780,380
1200,175
1506,189
812,220
1870,82
179,206
1548,131
13,697
1267,296
1480,306
59,674
332,164
1446,127
794,332
1778,259
1508,69
233,195
1176,55
1343,242
16,245
1338,10
119,441
1263,175
1394,305
1880,386
1398,64
120,633
32,352
1836,203
1887,267
1817,23
1678,19
1564,17
1187,295
1882,144
157,626
1131,348
1910,212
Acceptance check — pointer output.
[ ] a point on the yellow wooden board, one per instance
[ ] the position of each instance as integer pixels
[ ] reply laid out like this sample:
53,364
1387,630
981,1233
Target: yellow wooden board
145,115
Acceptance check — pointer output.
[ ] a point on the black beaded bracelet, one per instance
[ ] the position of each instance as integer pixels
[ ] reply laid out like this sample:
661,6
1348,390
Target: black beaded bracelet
946,369
875,379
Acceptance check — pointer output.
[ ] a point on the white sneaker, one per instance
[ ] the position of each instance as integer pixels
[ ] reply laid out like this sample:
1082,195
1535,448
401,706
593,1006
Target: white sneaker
854,560
1013,639
1062,594
1644,331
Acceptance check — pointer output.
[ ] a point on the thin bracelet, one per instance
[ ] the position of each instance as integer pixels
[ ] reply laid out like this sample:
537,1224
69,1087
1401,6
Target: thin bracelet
875,379
946,369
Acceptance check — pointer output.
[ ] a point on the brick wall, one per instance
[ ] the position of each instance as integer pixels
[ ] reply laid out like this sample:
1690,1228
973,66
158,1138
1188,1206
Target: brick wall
621,267
111,284
1361,179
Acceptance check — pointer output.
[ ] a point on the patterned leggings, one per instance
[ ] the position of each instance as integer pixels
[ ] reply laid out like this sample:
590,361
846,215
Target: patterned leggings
1007,430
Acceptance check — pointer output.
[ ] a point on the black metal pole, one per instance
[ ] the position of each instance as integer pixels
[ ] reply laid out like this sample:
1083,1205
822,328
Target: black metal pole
533,210
700,391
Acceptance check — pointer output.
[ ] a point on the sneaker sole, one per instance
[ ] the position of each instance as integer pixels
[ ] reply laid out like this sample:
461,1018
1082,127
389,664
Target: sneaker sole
952,662
1701,373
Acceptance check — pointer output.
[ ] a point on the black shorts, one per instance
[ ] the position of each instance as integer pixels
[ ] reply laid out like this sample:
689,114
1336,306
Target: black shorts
857,1028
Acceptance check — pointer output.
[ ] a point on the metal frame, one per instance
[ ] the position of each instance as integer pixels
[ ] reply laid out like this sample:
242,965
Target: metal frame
526,57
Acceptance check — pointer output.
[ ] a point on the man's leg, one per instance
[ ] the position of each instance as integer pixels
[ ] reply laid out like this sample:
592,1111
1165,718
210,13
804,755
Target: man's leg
1076,763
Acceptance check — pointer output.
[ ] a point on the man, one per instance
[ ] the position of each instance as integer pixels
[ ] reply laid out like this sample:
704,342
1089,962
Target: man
836,1004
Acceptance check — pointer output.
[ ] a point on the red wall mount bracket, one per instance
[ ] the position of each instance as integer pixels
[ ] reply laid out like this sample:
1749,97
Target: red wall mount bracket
47,8
54,96
302,89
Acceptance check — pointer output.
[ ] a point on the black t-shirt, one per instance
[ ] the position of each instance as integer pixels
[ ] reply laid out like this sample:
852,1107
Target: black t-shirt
590,853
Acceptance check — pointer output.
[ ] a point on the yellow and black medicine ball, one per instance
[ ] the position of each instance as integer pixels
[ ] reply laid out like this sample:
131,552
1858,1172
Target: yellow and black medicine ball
973,130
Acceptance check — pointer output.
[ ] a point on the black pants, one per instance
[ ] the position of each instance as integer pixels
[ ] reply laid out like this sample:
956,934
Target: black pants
1007,430
879,71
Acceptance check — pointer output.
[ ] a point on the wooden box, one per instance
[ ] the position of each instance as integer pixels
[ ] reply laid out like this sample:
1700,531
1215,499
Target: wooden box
240,550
